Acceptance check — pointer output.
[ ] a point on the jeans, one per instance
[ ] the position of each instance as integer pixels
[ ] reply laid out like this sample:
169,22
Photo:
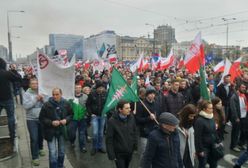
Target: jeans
143,142
8,105
81,127
98,123
56,149
36,138
242,158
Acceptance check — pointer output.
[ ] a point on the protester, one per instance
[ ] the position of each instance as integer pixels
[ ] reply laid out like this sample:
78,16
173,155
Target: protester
205,135
78,122
121,137
185,91
6,97
186,135
224,92
95,104
238,109
32,102
54,116
146,119
219,116
163,145
174,101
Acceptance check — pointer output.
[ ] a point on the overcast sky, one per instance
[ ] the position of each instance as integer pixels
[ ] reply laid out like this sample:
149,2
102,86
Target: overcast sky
125,17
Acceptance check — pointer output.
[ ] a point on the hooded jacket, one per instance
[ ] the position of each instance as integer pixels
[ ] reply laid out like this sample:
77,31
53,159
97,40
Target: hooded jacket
6,80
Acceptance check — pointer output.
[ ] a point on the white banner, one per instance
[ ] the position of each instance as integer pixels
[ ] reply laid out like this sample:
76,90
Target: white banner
51,75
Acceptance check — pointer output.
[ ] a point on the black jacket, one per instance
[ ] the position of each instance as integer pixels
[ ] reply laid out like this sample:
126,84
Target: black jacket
221,93
144,122
235,107
205,133
121,137
49,113
7,78
173,103
187,97
95,103
162,150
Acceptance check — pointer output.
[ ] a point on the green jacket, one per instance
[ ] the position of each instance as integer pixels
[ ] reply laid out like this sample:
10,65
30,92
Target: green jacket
79,110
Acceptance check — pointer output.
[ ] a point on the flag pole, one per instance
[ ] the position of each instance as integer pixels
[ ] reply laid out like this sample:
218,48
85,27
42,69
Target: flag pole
148,111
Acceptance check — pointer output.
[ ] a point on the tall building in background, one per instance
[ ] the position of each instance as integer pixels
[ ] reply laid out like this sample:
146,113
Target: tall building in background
165,36
3,52
164,33
67,42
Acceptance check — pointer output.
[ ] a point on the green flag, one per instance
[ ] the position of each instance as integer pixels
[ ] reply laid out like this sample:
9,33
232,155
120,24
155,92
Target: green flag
203,85
118,90
134,84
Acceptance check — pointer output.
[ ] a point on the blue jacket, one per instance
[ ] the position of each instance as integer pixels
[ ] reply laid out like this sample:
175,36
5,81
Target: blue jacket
162,150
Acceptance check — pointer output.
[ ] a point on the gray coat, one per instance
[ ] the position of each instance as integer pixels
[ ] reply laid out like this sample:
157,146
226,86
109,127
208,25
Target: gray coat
191,142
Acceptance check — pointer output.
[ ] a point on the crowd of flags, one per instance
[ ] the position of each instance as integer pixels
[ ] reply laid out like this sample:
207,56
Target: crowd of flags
194,61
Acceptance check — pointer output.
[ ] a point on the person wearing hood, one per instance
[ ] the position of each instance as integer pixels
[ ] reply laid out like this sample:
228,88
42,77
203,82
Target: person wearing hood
205,135
145,120
32,103
54,116
6,97
95,104
121,137
163,145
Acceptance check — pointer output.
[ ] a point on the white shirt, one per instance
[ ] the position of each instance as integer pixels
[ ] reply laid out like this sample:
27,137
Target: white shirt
243,108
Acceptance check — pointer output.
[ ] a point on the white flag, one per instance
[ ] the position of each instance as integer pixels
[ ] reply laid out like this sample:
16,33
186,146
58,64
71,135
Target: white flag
51,75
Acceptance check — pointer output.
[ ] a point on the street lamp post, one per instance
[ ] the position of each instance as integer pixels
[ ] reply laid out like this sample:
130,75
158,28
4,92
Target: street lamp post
153,47
227,31
9,34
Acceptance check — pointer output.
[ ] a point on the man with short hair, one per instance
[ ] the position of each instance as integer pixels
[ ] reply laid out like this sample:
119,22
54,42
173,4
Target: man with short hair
238,109
174,101
225,91
121,137
78,122
54,116
32,102
163,145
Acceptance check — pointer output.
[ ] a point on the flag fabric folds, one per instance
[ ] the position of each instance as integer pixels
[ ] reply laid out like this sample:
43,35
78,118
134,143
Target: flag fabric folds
203,85
194,57
51,75
119,89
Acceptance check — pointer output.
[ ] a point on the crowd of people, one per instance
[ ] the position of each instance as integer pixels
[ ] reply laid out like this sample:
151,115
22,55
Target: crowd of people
171,126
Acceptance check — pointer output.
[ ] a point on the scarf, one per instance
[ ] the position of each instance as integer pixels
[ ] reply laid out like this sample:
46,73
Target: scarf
242,95
206,115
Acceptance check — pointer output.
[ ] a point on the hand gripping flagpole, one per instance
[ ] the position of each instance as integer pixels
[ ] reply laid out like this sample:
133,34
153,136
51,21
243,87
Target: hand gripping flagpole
149,111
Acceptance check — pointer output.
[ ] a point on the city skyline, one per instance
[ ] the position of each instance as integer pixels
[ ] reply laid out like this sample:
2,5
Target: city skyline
125,18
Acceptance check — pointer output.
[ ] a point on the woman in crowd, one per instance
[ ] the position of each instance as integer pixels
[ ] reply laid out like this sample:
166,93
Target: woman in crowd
186,135
219,117
205,135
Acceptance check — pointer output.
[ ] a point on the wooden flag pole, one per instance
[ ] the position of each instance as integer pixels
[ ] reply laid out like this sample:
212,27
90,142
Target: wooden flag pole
149,111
